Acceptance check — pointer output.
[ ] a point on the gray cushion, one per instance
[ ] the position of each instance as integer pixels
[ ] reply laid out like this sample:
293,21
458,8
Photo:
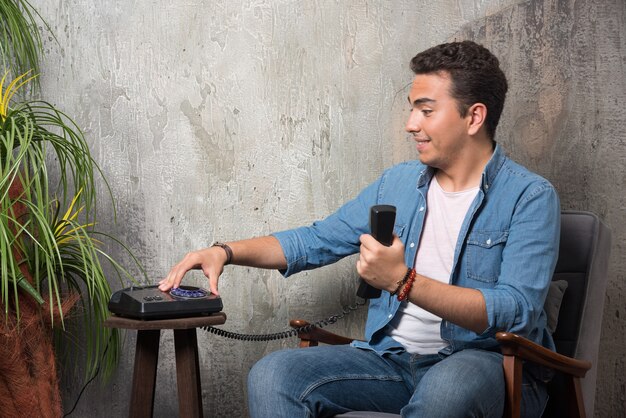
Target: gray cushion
553,303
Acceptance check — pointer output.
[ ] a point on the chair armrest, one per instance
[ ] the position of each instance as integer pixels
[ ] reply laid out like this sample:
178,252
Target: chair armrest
315,335
514,345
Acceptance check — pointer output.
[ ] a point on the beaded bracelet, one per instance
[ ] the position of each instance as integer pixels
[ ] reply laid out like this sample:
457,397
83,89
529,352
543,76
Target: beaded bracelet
407,287
401,282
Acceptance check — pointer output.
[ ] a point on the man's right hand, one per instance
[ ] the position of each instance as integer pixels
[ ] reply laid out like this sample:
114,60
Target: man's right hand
210,260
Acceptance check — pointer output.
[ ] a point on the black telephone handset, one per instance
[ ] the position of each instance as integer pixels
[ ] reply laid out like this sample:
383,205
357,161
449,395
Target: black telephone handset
382,220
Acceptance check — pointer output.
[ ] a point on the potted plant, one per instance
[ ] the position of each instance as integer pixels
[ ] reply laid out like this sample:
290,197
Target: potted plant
50,251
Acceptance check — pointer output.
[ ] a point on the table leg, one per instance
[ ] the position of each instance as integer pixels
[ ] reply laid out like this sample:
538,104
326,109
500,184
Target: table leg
144,374
188,373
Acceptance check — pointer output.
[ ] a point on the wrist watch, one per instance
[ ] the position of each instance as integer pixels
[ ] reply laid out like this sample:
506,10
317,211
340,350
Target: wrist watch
229,251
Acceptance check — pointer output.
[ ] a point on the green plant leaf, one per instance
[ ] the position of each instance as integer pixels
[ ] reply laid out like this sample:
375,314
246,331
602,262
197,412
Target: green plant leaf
28,288
21,45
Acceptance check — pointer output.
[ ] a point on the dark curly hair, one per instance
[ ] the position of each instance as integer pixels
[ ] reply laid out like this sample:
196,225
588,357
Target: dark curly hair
475,74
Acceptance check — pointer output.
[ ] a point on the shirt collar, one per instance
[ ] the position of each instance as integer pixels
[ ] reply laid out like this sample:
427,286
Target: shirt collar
492,168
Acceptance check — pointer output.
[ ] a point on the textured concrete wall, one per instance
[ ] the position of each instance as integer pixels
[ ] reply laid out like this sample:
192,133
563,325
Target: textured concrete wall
229,119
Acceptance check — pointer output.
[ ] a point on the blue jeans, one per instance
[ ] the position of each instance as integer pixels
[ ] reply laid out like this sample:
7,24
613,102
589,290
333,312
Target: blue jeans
329,380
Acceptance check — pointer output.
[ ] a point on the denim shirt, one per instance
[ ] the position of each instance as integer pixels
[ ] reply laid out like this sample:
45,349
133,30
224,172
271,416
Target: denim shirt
507,248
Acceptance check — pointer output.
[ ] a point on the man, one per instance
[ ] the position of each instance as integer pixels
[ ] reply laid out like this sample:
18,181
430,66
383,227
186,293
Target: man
476,242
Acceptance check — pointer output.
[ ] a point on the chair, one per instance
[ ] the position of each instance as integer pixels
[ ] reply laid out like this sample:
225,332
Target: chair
582,263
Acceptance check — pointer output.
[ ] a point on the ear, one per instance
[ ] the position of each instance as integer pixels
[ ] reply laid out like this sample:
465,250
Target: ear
476,116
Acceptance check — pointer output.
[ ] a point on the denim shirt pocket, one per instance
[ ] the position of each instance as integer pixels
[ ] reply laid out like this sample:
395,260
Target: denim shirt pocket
484,255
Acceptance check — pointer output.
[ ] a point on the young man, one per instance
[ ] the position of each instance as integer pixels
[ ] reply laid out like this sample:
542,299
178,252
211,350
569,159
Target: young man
476,242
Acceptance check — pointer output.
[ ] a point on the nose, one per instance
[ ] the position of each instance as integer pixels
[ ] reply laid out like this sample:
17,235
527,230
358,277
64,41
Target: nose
412,123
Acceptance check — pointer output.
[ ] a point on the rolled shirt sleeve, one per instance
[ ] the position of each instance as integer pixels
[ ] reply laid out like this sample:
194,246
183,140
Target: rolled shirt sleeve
328,240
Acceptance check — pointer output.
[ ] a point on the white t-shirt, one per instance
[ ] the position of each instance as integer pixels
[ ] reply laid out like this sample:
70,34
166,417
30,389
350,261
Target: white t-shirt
415,328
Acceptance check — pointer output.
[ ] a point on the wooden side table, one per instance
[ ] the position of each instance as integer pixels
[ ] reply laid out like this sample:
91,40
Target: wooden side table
147,354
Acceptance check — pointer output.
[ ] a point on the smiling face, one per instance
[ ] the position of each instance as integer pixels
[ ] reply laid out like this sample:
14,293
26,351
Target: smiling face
441,133
439,130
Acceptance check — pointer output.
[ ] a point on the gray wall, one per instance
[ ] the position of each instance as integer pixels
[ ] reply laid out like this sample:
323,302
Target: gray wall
229,119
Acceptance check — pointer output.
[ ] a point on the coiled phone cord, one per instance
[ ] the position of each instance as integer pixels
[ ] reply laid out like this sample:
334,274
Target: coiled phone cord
346,310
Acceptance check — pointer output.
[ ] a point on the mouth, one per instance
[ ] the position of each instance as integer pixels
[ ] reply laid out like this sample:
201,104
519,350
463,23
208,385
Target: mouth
421,143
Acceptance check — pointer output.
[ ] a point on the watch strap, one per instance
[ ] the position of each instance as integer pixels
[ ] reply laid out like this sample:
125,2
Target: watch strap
227,249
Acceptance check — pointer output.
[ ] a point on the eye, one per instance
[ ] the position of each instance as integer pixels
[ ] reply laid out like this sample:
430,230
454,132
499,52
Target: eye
426,112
